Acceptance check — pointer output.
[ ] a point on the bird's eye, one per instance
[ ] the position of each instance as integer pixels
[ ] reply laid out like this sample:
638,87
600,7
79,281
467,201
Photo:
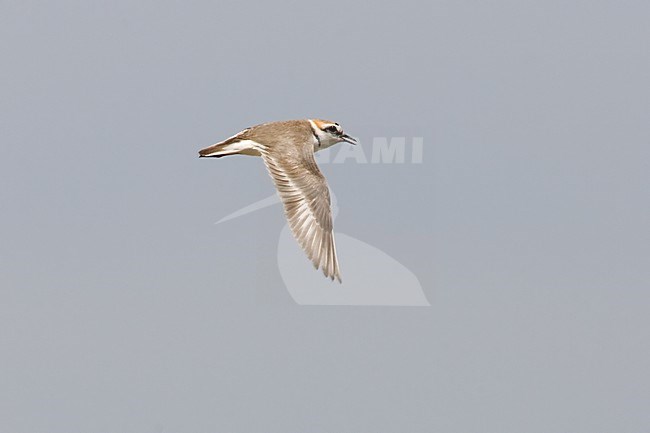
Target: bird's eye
332,129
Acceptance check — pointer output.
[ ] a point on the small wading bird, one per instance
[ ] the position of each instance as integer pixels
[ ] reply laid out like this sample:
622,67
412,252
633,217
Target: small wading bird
287,149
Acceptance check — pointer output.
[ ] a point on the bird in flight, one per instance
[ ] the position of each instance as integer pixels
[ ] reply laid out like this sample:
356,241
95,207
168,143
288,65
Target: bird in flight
287,149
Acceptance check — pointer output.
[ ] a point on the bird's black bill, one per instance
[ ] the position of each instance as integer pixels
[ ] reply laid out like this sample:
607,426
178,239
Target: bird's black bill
351,140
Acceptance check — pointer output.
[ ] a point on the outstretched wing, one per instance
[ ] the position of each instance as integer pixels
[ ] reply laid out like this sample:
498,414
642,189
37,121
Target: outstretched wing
306,199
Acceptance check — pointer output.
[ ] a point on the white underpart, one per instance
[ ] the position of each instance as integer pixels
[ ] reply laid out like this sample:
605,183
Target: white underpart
237,146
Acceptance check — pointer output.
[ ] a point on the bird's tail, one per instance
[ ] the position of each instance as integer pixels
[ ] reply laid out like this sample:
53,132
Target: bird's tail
232,146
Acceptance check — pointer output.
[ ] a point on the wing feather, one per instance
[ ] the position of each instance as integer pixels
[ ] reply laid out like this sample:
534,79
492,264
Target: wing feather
306,199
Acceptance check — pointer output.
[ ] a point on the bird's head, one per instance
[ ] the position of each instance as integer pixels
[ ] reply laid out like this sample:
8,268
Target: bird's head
329,133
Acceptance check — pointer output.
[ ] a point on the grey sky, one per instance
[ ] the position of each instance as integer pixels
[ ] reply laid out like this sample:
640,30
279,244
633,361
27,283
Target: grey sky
125,309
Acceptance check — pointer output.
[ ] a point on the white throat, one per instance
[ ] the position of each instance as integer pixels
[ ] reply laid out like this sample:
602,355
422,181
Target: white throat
322,139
